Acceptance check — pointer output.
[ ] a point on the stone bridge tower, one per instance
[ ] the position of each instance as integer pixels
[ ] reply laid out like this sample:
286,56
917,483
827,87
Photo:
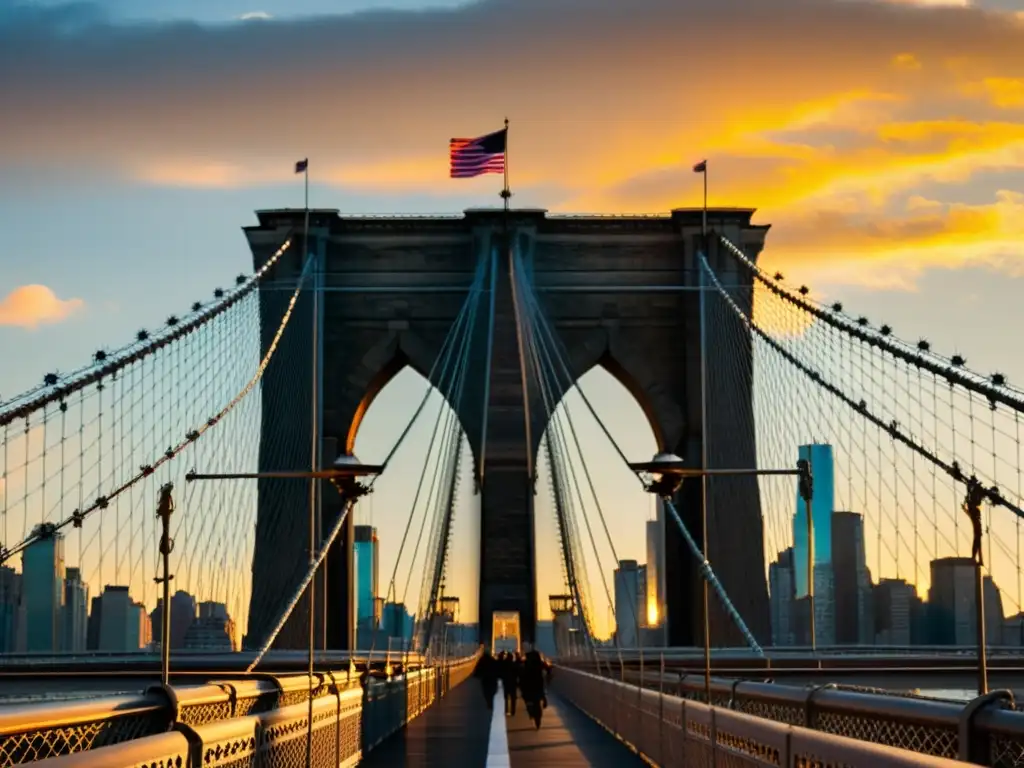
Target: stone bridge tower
620,293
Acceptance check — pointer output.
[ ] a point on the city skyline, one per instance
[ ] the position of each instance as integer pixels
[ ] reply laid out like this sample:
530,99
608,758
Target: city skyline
48,609
878,194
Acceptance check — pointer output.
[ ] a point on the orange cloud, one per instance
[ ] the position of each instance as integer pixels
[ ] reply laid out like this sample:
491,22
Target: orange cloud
906,61
806,105
33,305
929,233
1006,92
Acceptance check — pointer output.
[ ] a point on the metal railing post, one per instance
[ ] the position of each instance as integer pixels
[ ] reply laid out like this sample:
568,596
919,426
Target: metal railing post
164,510
979,598
661,709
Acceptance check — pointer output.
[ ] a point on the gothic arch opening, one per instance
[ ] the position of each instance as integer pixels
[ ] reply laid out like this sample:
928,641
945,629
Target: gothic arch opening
625,506
389,404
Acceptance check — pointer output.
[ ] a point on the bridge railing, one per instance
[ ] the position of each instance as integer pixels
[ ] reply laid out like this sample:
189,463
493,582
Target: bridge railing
985,730
671,730
240,722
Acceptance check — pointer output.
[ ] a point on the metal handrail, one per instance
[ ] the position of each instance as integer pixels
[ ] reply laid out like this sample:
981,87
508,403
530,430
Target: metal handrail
37,715
673,730
115,730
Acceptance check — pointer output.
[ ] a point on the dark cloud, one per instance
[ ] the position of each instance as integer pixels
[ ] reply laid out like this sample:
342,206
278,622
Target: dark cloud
43,21
547,58
598,91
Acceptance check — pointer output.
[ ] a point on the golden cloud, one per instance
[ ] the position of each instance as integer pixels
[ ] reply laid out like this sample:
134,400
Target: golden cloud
1006,92
927,233
33,305
803,105
906,61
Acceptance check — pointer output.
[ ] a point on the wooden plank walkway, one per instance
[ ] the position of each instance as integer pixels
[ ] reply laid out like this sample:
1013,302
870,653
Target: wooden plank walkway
567,738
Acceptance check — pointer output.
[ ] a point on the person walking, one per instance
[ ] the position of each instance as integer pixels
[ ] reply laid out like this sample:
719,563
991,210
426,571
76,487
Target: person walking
510,681
486,671
531,683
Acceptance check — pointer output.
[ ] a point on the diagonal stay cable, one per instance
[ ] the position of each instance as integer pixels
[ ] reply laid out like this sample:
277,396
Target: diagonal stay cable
951,469
444,508
705,566
553,438
931,362
173,452
339,523
145,345
560,354
458,328
449,443
307,579
419,486
531,312
445,351
548,393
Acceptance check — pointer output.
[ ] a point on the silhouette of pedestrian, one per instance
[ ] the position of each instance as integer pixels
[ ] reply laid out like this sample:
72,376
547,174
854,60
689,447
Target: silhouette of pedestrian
972,506
531,683
486,671
509,681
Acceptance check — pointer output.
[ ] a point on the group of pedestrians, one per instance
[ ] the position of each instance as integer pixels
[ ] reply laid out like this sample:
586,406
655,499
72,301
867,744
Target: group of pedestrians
518,673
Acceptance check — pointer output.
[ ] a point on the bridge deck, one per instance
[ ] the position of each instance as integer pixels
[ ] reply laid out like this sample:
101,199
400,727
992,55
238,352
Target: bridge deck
567,739
457,731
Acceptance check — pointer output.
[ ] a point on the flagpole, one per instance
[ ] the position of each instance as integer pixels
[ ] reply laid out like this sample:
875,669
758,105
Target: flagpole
506,193
704,215
314,518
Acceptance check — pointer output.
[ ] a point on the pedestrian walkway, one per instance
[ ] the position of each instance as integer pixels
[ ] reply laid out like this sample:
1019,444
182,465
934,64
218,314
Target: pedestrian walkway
461,732
567,738
452,732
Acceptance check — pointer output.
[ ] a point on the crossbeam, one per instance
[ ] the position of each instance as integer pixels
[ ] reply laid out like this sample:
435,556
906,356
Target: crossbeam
323,474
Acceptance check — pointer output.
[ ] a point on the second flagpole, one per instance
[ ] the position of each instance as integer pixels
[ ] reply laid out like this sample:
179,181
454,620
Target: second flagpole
506,193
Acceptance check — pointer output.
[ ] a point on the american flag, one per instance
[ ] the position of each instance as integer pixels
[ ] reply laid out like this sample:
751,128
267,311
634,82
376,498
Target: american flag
475,157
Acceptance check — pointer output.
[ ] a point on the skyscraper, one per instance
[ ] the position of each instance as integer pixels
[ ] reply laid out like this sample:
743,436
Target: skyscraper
822,505
897,612
854,616
42,569
781,595
656,568
92,632
952,603
76,606
123,625
183,613
397,621
10,609
213,630
366,566
629,592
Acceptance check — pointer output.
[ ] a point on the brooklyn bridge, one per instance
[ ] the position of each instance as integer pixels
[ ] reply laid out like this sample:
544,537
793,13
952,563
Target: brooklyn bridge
833,568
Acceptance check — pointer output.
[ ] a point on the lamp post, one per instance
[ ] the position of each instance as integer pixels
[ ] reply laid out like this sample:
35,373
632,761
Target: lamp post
561,608
344,474
665,473
450,611
574,642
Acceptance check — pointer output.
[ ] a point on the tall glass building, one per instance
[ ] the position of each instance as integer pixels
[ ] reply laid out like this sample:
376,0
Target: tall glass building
822,506
10,609
656,569
76,614
366,566
42,568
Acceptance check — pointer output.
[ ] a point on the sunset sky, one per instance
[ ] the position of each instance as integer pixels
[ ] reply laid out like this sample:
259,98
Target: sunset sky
884,142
